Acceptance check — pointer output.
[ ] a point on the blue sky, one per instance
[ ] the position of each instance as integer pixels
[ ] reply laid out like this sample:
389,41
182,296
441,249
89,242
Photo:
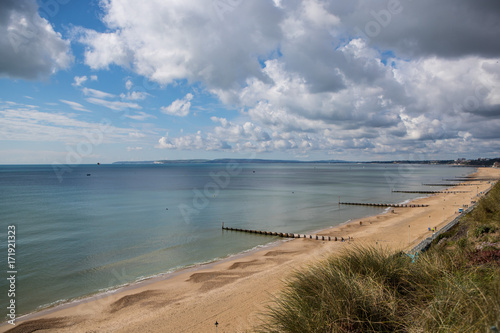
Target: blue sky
104,81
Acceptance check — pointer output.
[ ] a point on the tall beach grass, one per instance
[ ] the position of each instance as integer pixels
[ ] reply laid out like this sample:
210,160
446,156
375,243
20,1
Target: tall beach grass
370,289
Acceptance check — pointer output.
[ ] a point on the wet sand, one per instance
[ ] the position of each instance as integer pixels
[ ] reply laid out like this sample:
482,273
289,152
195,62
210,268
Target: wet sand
235,292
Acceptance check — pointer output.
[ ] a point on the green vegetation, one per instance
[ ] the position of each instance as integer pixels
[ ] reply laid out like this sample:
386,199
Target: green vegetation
453,287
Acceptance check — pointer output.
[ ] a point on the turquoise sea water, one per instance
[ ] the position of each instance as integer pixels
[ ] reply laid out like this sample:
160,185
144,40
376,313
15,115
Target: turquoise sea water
97,227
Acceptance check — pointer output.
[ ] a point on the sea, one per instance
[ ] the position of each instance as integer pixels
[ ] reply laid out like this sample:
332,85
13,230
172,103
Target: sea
88,229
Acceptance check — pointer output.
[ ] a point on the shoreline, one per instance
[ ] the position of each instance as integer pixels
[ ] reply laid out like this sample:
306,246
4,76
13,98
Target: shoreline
176,295
139,283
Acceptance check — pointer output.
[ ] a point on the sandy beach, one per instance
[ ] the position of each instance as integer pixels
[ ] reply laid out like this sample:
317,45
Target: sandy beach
235,291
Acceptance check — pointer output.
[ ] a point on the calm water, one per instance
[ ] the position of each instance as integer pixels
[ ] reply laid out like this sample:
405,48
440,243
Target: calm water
80,234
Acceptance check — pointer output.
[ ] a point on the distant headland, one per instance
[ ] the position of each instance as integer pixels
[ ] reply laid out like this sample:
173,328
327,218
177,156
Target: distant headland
480,162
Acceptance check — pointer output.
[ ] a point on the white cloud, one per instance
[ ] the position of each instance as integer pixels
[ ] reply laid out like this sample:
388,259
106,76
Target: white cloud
196,141
79,80
128,84
97,93
303,81
136,135
104,49
179,107
134,95
24,123
140,116
74,105
93,78
107,100
178,40
29,46
113,105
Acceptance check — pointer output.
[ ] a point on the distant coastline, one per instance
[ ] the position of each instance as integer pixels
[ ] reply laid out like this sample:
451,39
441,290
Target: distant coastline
480,162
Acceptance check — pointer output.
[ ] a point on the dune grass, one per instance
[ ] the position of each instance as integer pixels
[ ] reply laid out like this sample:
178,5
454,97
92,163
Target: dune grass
372,290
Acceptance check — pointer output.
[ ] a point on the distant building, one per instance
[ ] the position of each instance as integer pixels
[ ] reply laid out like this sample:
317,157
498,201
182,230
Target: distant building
496,165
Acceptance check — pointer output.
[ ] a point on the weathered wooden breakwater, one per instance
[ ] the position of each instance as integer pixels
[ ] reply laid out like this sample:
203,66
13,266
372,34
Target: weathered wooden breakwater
381,204
447,185
469,179
430,192
286,234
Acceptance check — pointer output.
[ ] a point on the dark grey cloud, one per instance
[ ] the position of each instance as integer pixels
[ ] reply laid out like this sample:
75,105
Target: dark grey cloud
29,47
445,28
491,111
487,130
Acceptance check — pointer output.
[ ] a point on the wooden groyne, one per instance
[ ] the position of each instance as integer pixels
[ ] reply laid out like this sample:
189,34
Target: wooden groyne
286,234
467,179
449,185
430,192
381,204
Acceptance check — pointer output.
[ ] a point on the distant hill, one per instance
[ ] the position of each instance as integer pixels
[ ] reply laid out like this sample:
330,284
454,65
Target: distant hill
227,160
486,162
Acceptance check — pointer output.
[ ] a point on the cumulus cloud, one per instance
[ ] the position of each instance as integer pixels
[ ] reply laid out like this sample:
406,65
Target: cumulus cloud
104,49
79,80
383,77
179,107
184,39
29,46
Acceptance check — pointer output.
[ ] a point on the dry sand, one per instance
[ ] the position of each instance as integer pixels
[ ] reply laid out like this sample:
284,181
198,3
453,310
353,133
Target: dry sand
234,292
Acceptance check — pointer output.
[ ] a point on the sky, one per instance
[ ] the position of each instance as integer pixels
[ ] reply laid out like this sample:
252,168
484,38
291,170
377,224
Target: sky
87,81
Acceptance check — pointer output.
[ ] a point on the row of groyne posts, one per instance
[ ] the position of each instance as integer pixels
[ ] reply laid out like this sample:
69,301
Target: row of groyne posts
286,234
331,238
382,204
321,237
426,243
